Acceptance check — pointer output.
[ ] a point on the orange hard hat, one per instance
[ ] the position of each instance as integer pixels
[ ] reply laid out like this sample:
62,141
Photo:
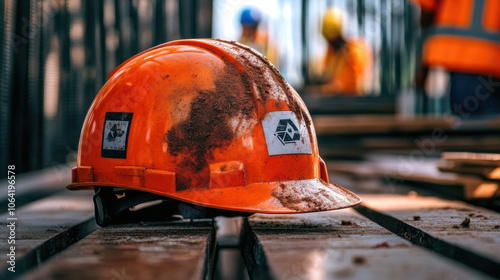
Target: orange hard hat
210,123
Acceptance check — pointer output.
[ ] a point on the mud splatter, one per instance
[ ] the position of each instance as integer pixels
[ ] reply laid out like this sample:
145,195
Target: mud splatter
208,127
256,74
382,245
346,223
465,223
358,260
304,198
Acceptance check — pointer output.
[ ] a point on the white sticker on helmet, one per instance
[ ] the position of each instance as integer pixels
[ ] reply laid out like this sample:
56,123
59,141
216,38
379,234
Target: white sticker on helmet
285,135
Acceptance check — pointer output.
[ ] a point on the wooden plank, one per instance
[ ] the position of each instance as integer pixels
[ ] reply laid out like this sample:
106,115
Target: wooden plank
355,168
473,228
230,263
378,124
344,244
162,251
35,185
483,159
455,229
347,105
425,170
421,170
44,219
364,124
487,172
349,145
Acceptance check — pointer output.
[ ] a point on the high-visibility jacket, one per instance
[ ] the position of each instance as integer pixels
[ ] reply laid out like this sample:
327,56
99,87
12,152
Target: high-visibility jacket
349,68
465,36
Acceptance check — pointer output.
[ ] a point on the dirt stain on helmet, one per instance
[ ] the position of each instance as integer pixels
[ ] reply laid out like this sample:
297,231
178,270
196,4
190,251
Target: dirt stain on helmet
207,127
255,71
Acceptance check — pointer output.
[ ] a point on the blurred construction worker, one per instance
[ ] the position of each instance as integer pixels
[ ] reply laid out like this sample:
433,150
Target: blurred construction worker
254,37
464,38
348,62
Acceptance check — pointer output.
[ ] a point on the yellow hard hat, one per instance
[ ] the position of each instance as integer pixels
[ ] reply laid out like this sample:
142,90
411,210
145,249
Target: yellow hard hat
332,23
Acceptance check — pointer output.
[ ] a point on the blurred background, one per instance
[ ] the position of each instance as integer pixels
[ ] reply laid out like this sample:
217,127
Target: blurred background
357,64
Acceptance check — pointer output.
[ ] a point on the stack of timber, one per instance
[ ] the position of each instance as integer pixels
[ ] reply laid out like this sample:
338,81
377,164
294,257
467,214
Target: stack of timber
473,176
486,166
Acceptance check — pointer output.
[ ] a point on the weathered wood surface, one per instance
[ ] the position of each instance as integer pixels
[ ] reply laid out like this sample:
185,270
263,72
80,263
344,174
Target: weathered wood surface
344,244
44,219
457,230
473,228
326,245
135,252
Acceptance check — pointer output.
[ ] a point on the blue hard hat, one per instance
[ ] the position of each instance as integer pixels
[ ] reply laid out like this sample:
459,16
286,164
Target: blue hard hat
250,16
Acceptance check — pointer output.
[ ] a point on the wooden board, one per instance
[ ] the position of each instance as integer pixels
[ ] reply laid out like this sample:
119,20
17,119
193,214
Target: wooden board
135,252
482,159
44,219
230,262
342,146
335,244
344,244
452,228
317,104
378,124
487,172
35,185
363,124
445,219
406,168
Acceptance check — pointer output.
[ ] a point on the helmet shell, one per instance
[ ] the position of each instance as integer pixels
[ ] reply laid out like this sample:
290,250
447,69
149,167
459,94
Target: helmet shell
208,122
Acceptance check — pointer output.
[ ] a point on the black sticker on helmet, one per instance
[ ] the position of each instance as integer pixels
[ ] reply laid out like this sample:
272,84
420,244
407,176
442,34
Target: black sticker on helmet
287,132
115,134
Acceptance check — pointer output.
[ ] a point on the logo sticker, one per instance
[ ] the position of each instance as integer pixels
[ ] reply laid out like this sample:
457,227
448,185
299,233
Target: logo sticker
287,132
115,135
285,135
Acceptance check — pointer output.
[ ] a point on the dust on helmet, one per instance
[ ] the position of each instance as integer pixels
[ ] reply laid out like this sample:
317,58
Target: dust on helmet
203,122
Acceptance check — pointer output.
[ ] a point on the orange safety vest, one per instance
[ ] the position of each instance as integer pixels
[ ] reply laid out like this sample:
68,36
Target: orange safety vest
465,37
348,68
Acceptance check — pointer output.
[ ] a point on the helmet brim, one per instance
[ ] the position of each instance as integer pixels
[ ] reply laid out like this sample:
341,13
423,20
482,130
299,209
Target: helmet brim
283,197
